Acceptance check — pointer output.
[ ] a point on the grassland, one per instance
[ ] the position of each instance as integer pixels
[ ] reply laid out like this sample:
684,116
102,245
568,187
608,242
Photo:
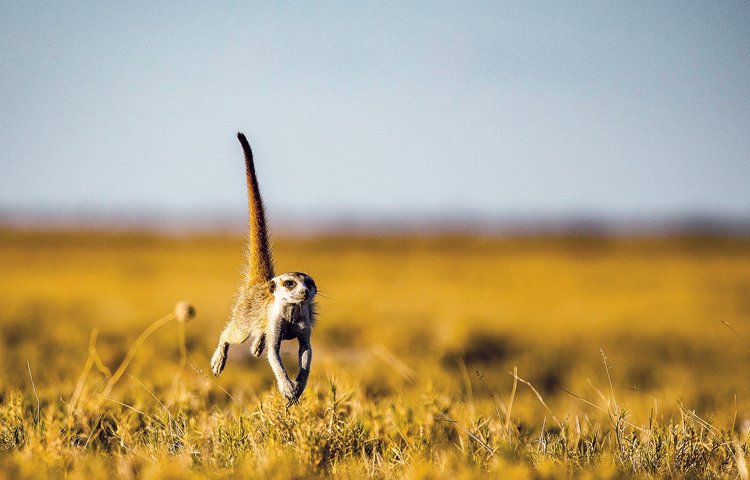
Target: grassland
413,362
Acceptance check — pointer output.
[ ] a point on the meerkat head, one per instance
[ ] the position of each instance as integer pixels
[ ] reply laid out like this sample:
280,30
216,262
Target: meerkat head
293,287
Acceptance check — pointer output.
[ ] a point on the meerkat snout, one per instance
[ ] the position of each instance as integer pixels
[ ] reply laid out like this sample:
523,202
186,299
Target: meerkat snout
294,288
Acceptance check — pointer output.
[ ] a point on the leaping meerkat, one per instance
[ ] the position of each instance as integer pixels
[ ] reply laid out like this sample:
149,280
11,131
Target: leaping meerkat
268,308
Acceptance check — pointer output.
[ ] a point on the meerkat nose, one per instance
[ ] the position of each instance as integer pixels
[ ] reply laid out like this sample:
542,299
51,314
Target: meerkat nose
305,294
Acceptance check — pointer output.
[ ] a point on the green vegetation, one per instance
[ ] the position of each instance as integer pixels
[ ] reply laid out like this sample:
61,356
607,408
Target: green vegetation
434,357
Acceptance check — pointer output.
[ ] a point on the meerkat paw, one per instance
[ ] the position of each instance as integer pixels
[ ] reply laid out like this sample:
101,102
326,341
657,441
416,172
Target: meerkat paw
299,387
288,390
219,359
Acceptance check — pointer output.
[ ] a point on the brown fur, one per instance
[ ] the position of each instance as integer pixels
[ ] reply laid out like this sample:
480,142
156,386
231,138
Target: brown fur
251,304
260,262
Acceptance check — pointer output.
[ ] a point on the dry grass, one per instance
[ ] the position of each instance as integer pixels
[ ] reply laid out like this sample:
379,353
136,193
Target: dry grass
630,359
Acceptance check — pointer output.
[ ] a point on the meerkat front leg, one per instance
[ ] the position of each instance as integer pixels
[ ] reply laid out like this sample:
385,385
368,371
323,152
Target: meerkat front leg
305,359
273,337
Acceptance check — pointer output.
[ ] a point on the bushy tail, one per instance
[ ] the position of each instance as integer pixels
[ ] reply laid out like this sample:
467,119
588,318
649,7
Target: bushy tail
260,262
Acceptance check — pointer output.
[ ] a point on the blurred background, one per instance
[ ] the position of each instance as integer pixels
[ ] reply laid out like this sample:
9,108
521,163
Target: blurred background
494,114
479,187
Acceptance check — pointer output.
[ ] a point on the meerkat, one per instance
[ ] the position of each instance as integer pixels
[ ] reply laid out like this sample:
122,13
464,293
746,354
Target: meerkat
268,308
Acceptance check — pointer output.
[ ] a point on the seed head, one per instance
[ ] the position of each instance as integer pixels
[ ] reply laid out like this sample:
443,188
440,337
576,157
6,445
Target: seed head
184,311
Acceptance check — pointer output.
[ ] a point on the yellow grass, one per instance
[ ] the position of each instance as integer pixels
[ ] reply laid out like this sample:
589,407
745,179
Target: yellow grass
413,358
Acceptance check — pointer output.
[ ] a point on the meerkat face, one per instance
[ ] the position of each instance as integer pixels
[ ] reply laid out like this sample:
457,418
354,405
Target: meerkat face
293,288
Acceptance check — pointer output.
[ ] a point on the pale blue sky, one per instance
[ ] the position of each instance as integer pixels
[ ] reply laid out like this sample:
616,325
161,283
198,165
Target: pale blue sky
489,109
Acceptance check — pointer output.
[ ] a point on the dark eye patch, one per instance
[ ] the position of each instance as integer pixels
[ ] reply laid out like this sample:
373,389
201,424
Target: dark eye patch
289,284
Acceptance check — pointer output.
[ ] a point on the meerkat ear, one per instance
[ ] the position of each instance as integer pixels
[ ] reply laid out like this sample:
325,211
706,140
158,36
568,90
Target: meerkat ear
272,286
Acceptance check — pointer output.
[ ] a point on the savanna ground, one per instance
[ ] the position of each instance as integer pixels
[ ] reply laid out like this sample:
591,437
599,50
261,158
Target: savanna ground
413,359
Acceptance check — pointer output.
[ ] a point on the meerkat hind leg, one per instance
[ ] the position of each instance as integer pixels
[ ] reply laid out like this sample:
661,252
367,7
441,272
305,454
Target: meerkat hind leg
233,334
219,358
259,343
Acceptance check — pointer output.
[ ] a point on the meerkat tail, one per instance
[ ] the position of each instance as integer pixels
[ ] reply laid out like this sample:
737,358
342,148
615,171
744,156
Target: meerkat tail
260,263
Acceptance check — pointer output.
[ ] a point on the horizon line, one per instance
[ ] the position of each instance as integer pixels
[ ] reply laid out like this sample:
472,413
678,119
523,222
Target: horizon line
223,222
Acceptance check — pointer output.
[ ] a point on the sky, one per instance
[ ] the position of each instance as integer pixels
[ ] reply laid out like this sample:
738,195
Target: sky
377,109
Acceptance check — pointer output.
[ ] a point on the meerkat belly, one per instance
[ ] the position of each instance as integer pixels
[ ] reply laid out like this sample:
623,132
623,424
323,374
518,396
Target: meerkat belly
290,320
292,329
290,332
